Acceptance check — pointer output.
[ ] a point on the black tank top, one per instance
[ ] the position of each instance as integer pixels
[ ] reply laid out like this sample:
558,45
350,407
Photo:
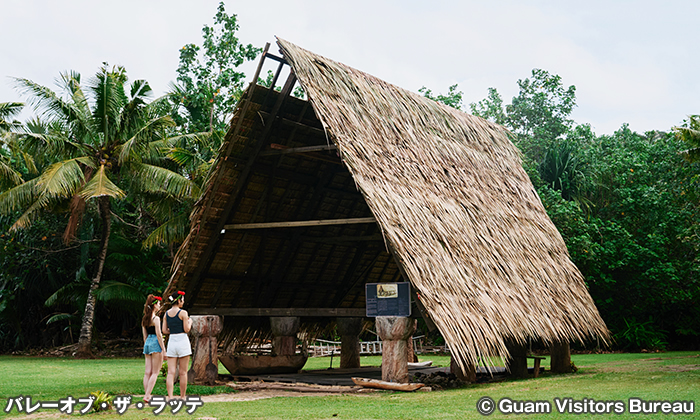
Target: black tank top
151,330
175,323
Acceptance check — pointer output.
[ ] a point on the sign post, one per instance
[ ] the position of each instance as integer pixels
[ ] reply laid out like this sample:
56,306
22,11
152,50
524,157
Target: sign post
390,305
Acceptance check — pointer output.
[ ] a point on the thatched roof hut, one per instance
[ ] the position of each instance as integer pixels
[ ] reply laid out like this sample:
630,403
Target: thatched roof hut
366,182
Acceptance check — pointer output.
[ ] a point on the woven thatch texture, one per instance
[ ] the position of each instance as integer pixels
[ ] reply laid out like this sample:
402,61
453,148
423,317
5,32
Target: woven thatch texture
453,200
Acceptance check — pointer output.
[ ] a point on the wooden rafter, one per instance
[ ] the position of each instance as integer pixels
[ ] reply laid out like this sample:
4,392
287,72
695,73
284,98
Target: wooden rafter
242,180
300,223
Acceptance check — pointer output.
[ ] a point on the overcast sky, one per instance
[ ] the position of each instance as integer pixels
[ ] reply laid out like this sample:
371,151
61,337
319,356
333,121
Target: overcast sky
635,62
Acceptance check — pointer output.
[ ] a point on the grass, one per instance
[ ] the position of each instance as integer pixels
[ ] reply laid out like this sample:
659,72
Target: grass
671,376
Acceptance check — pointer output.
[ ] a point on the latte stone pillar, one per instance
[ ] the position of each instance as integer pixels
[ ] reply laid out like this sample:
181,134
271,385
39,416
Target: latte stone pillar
395,332
284,335
205,362
560,354
517,362
467,373
349,329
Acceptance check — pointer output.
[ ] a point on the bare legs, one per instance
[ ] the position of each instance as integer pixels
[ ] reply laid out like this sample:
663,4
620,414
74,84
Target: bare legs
173,364
150,376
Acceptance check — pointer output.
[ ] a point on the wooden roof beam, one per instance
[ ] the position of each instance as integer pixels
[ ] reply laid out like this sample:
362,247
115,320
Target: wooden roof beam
243,177
298,124
309,312
301,223
293,150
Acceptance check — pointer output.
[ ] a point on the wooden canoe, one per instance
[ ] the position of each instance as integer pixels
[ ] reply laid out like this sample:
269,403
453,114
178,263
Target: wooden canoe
420,364
392,386
262,364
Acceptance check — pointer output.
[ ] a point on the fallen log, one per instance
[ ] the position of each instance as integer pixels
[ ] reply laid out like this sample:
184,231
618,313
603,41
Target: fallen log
392,386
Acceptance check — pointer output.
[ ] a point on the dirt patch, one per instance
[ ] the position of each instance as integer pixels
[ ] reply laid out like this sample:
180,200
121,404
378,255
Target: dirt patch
261,394
681,368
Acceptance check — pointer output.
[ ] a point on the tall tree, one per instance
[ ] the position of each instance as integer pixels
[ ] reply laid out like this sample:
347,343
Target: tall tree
8,144
209,83
98,144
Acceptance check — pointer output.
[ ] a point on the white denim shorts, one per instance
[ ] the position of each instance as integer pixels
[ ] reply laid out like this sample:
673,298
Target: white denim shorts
179,345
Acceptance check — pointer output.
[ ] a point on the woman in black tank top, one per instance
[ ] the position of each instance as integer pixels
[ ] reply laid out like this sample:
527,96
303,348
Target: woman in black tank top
152,344
177,323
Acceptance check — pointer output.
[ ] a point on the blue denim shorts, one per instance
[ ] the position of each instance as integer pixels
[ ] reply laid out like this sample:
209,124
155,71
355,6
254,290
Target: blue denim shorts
151,345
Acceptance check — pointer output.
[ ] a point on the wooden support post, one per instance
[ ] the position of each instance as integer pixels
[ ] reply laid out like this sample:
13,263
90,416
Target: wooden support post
560,357
517,363
394,331
349,329
284,332
410,351
466,375
205,362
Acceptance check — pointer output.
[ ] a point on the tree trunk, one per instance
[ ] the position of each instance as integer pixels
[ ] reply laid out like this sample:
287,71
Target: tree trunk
85,339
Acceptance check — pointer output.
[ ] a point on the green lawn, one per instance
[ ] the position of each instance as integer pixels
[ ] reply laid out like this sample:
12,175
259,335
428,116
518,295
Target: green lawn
671,376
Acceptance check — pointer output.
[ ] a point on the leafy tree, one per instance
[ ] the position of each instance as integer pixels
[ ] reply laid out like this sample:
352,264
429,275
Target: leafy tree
490,108
453,97
638,245
98,143
539,116
207,90
208,82
542,108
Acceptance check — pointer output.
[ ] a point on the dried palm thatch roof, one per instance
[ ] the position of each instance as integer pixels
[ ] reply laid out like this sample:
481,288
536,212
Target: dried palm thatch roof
451,200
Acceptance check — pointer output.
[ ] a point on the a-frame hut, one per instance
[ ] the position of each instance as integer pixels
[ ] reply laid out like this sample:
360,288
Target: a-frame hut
364,183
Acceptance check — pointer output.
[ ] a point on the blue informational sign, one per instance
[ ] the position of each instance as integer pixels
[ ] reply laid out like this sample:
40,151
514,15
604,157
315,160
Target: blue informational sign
388,299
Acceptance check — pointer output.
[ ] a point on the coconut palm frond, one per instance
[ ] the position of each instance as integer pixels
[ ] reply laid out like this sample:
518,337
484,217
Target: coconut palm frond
7,111
690,134
61,179
18,197
7,173
111,290
71,82
691,155
10,109
107,88
182,157
156,179
71,292
28,216
202,139
100,186
173,231
52,105
86,161
62,317
143,135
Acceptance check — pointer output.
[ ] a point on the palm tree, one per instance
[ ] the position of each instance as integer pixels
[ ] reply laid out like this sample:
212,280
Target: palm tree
690,134
8,145
98,143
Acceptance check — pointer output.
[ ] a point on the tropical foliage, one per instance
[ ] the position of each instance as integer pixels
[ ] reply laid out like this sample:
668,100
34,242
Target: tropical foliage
103,170
625,204
97,143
